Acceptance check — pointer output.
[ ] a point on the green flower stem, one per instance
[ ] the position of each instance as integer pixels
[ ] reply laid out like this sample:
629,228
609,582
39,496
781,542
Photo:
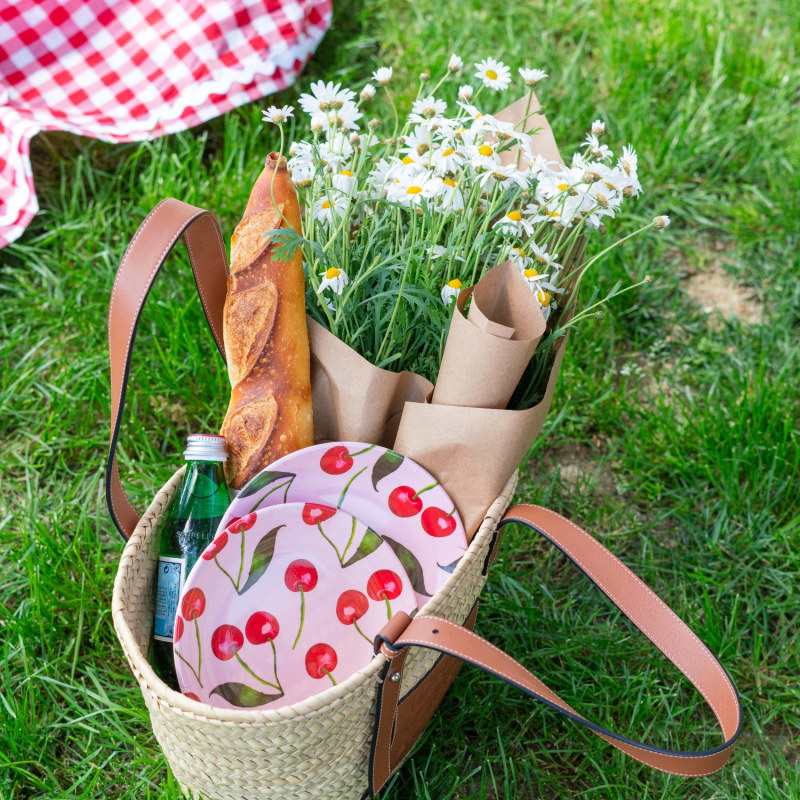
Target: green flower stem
251,673
302,616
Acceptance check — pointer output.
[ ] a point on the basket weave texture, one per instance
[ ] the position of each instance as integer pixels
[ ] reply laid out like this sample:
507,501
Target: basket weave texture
312,749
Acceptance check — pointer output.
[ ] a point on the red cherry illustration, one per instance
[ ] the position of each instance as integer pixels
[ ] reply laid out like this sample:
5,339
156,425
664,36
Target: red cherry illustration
350,606
226,641
403,502
178,628
242,524
216,546
384,585
313,513
321,660
301,575
437,522
261,627
336,461
192,696
193,604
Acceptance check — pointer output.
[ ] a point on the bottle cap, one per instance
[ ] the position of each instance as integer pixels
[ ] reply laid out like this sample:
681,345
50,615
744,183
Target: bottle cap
205,447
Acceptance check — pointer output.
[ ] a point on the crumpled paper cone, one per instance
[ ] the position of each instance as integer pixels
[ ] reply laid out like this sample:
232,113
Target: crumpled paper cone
354,400
487,351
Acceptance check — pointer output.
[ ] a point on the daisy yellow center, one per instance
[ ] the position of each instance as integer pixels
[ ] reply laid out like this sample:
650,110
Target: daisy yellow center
491,74
333,273
454,284
326,204
449,182
531,273
448,152
554,214
544,298
514,215
408,160
413,190
485,150
347,173
519,252
562,187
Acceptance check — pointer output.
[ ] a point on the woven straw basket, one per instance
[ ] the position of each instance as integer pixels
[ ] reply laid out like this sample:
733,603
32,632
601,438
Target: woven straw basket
317,748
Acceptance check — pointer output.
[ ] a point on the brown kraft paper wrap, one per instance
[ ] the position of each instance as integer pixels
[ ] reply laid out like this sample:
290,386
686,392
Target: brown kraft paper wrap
465,438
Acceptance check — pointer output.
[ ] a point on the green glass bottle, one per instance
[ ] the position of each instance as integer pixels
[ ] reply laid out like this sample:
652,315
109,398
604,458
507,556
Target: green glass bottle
189,525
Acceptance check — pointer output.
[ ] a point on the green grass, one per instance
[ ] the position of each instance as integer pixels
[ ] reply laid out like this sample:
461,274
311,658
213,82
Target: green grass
686,425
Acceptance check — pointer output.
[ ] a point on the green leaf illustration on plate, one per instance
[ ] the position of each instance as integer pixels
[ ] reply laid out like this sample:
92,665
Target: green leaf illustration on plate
264,479
262,555
369,544
448,567
239,694
410,565
385,465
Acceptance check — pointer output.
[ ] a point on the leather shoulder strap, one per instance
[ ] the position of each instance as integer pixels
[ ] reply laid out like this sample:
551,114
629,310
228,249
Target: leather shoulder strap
142,261
636,600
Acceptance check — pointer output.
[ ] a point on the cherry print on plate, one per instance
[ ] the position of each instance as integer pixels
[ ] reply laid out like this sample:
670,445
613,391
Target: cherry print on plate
289,610
395,497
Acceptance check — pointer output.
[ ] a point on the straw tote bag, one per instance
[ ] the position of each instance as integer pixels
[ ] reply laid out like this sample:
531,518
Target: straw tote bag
348,740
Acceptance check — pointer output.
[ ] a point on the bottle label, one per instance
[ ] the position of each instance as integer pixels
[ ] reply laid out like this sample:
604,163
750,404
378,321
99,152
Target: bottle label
171,574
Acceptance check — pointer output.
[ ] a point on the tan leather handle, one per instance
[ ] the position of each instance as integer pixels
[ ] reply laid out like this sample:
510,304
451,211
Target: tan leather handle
140,265
636,600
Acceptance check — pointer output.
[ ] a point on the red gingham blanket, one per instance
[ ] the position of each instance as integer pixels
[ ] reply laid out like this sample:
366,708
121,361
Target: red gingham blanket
125,70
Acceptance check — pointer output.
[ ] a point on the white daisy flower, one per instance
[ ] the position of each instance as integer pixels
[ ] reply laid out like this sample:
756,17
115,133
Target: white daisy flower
416,142
382,75
447,159
518,257
455,63
440,251
449,197
465,93
367,93
343,118
411,186
504,131
598,127
599,151
330,208
482,157
532,76
543,259
661,222
429,107
501,173
336,150
494,74
450,291
325,97
302,172
344,181
384,172
334,279
546,302
629,164
277,116
514,223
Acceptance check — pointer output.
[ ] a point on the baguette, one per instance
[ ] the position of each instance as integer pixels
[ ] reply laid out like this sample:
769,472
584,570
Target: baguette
265,334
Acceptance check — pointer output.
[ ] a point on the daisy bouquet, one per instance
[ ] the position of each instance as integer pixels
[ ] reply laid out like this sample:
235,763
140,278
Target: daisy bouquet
403,212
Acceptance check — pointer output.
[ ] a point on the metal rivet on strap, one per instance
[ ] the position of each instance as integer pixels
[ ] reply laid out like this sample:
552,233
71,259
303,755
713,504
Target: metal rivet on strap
394,677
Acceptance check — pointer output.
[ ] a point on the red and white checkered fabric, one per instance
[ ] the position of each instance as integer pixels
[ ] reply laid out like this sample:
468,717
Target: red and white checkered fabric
124,70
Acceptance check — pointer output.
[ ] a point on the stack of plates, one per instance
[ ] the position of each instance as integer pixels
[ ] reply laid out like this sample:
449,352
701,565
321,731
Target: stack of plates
315,554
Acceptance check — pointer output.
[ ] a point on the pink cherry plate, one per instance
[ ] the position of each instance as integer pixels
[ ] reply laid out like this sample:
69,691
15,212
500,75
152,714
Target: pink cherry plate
396,497
284,604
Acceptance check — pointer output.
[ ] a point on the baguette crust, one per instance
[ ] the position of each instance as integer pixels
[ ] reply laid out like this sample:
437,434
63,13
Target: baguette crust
265,335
